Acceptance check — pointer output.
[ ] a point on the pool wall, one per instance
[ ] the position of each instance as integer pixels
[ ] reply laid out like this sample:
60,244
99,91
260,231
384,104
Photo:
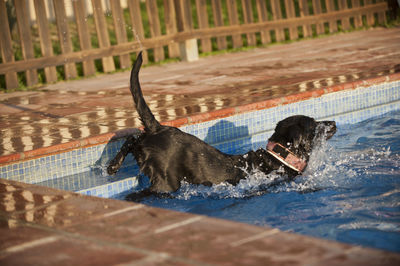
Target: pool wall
81,169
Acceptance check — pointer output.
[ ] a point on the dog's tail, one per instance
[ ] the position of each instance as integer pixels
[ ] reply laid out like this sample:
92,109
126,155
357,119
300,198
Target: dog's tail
149,122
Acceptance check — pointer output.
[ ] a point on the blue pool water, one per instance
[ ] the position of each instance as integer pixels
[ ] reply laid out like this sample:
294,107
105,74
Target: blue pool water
350,191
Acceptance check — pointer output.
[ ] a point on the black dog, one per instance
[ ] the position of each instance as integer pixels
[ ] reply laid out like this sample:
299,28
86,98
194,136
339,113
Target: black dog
168,156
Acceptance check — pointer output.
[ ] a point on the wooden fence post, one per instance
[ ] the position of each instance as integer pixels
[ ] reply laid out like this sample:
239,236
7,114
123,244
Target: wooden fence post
179,28
84,35
317,11
188,48
234,20
382,14
370,15
304,12
137,25
102,34
218,22
330,7
358,17
7,53
277,15
290,13
120,32
26,40
248,19
202,16
345,21
45,42
155,30
262,17
170,27
64,37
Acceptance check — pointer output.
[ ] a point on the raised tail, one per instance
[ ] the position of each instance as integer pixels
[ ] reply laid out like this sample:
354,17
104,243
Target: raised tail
149,122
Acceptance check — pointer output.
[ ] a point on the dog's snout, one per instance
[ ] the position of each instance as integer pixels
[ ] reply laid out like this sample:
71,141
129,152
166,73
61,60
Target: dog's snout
330,128
331,124
328,124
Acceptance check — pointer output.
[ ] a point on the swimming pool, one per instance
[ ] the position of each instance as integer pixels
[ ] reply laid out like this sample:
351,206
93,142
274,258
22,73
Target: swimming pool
331,200
350,191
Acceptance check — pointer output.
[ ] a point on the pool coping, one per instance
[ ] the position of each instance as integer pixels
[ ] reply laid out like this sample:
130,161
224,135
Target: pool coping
69,227
198,118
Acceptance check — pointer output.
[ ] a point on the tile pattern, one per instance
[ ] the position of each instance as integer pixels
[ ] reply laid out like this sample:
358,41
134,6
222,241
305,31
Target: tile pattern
83,169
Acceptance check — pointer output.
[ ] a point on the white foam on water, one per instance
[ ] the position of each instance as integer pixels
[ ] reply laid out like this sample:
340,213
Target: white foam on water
328,168
251,186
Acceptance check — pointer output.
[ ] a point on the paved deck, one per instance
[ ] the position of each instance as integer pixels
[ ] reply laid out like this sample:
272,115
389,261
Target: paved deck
80,109
42,226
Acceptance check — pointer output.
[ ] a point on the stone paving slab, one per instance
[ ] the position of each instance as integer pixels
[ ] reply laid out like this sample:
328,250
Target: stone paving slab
43,226
109,232
81,109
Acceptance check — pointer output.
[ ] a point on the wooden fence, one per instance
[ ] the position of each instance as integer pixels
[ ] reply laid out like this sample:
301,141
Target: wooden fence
46,52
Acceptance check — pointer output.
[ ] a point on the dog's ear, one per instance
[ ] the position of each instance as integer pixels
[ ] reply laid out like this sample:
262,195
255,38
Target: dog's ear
298,137
295,131
287,135
301,135
295,135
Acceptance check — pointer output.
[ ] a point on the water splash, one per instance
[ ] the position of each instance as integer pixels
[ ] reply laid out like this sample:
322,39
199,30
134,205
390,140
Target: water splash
254,184
137,38
354,179
329,167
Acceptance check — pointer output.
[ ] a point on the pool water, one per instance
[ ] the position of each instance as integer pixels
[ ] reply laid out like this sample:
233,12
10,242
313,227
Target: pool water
350,191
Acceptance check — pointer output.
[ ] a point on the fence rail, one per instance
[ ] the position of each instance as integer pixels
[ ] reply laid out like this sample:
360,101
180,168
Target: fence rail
108,39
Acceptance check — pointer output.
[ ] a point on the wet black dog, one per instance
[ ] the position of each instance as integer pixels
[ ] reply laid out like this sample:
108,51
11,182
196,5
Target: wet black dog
168,156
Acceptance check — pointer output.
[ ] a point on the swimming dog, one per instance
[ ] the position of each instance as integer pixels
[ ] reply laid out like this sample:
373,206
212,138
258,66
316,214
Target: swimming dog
169,156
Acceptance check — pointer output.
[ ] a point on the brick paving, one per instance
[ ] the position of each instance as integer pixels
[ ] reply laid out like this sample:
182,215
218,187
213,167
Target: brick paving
76,110
43,226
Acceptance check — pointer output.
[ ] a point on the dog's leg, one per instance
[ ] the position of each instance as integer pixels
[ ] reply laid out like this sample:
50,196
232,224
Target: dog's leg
116,163
140,195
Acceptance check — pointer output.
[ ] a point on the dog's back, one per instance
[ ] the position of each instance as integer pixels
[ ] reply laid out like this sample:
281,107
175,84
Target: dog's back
170,156
167,155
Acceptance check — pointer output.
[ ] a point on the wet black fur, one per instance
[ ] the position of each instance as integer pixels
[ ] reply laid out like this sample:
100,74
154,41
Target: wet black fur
168,155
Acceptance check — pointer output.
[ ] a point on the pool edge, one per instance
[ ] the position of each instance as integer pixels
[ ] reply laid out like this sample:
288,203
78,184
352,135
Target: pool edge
93,226
198,118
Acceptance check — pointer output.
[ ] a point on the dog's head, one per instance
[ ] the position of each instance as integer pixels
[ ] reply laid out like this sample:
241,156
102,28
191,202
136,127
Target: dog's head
299,134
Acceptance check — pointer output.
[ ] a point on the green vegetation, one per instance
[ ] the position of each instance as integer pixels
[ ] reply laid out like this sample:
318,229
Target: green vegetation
146,25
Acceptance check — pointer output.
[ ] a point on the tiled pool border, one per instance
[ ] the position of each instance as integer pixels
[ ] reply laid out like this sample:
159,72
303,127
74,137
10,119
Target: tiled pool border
372,97
226,133
198,118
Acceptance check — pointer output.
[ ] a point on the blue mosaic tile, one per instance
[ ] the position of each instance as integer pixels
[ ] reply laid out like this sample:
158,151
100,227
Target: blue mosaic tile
78,170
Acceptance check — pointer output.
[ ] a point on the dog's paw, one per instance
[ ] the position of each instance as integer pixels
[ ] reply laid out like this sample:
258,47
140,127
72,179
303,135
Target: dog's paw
112,169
